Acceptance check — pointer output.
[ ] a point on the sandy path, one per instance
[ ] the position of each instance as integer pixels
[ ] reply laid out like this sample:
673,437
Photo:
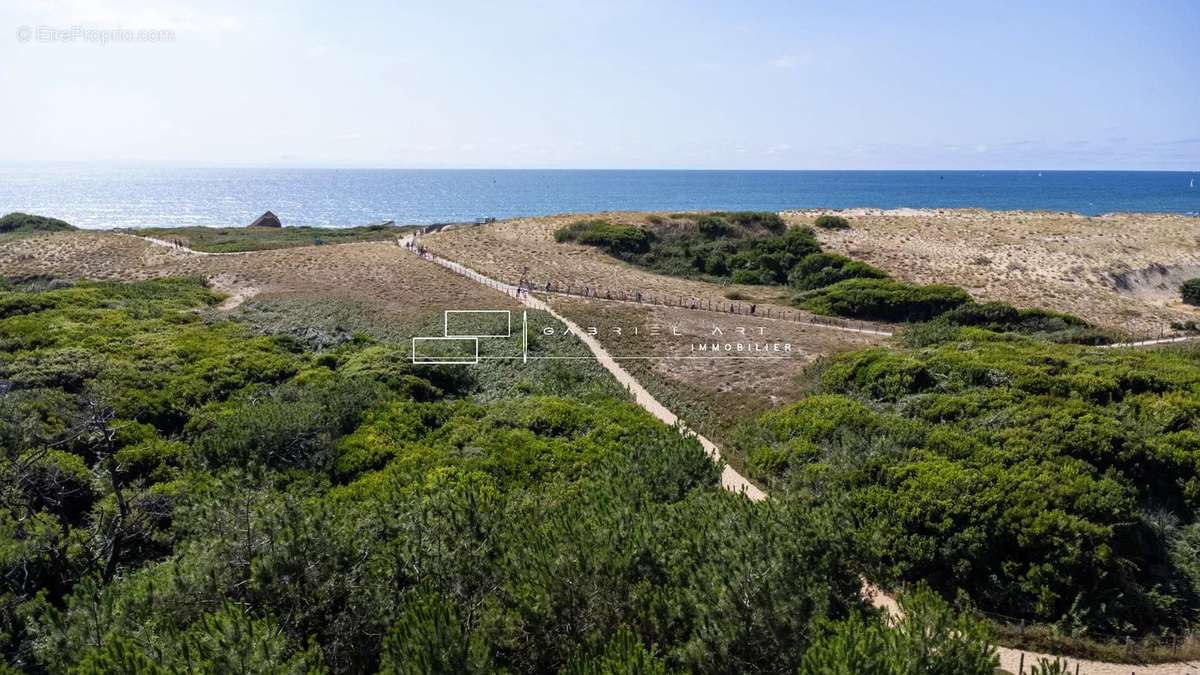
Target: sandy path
1151,343
1010,659
180,247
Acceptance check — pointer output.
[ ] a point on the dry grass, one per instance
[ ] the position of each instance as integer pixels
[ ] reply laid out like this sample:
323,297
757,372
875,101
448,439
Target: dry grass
378,276
1058,261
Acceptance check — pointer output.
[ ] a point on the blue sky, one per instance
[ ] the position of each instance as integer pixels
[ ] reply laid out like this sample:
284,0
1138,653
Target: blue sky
607,84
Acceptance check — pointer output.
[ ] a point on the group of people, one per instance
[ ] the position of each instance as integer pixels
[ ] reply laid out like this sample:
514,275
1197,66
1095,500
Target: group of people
412,245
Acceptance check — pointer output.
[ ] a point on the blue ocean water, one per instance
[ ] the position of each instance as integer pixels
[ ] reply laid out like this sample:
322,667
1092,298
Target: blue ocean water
102,197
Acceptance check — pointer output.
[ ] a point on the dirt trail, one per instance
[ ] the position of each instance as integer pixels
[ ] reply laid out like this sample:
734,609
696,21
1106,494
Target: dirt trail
180,247
1152,343
1010,659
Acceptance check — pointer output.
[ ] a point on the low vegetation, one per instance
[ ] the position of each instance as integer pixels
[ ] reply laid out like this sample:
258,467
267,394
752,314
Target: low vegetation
1001,318
884,299
819,270
742,247
1189,292
24,223
1043,483
235,239
183,493
618,240
831,222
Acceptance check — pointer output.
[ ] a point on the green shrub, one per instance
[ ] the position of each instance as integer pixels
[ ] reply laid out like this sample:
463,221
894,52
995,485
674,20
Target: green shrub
1189,292
831,222
881,373
716,265
623,654
824,269
884,300
1046,325
26,223
714,227
429,637
616,239
752,277
715,250
294,425
744,246
1000,317
761,220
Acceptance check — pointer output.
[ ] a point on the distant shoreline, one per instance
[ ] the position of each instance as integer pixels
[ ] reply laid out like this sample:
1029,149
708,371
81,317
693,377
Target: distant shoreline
904,212
103,198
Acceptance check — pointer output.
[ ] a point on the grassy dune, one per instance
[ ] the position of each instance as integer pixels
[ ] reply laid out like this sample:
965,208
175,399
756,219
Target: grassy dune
234,239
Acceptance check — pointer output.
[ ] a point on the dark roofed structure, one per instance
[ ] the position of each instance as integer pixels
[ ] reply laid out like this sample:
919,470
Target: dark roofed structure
267,219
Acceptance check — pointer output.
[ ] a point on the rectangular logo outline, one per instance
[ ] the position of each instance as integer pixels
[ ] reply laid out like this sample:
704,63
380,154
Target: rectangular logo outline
446,362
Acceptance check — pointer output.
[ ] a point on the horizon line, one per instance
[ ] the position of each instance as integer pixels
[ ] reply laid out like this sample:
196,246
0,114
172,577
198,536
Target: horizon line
368,167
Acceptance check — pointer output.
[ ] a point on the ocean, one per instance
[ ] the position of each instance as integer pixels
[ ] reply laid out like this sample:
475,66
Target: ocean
105,197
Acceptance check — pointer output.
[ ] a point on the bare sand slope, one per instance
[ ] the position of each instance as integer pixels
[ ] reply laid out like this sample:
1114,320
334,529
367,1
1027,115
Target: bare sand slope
1120,271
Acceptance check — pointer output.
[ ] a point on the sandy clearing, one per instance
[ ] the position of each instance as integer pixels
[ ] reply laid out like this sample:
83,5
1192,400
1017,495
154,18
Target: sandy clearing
238,292
1120,271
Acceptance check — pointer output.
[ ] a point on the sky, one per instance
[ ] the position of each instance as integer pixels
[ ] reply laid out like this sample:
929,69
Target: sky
603,84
